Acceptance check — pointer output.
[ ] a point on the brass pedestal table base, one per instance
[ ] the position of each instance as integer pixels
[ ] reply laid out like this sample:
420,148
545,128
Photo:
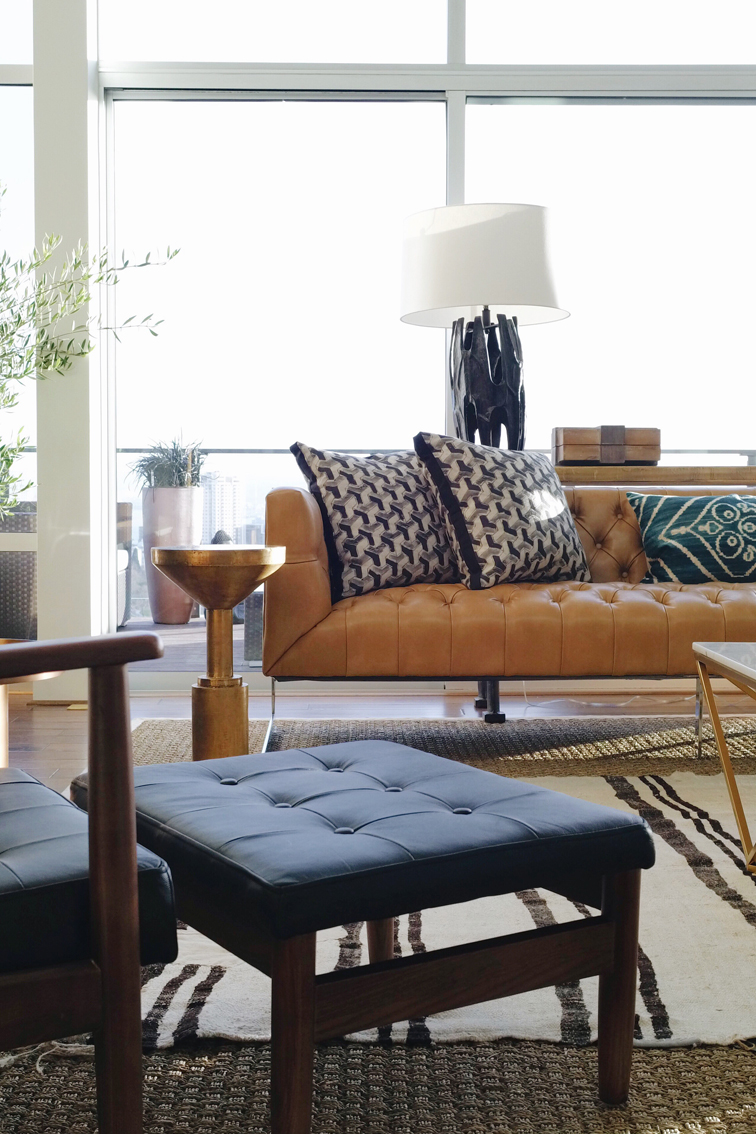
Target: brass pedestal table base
219,577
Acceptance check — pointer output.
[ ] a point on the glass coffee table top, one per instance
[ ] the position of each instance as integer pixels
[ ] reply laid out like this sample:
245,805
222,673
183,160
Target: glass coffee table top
737,656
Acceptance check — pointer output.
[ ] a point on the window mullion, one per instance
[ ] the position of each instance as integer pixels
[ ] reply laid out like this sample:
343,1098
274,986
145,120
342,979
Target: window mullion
456,17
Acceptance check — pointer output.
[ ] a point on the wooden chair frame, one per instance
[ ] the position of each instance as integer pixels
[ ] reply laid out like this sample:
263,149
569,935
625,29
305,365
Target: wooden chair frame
101,994
308,1008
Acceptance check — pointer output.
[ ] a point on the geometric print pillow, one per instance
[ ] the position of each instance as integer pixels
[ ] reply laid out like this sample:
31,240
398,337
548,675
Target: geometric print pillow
382,524
506,513
697,539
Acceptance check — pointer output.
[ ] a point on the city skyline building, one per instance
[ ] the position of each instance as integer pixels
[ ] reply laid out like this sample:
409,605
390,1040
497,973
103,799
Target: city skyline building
222,506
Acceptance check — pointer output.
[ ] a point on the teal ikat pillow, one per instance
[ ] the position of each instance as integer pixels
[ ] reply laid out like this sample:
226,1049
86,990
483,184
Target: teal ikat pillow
697,539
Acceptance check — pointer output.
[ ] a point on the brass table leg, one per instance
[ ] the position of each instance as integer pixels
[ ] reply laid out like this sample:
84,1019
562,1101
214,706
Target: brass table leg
724,756
220,701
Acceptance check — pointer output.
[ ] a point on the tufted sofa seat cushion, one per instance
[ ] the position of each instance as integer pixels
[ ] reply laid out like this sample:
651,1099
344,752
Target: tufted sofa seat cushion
523,630
44,882
312,838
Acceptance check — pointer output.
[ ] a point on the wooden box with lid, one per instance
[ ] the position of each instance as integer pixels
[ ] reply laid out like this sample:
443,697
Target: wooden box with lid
605,445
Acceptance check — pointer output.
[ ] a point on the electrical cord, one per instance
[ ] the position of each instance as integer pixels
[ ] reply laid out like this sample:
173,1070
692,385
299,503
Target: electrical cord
602,704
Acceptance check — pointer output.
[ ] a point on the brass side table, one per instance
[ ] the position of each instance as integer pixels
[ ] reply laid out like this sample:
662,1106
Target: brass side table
219,577
736,661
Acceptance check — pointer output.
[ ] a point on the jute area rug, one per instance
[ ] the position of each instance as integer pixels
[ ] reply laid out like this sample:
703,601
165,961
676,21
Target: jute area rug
521,748
698,920
504,1087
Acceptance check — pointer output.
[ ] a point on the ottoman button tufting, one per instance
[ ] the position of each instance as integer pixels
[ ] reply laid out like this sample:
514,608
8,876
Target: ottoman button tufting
335,769
394,789
344,831
283,805
462,811
230,782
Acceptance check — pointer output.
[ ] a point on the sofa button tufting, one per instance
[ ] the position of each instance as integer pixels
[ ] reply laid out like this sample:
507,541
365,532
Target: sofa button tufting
624,574
394,789
344,831
462,811
283,805
229,782
599,545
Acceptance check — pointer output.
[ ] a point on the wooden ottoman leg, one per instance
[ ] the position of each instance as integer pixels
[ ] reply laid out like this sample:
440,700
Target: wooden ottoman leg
380,935
621,902
293,1034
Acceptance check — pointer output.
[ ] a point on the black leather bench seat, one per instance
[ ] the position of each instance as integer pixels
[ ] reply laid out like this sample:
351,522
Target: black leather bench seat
44,896
310,838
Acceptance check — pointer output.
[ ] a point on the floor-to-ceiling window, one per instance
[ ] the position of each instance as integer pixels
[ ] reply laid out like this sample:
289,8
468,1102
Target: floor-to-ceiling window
281,310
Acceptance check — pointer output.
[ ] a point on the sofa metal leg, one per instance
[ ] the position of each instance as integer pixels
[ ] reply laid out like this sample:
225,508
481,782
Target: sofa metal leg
481,701
494,714
292,1034
272,719
621,903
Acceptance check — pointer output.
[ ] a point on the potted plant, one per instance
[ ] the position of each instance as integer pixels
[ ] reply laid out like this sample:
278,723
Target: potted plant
171,514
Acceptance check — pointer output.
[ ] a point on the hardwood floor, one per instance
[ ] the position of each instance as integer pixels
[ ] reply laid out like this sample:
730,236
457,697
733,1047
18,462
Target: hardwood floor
50,742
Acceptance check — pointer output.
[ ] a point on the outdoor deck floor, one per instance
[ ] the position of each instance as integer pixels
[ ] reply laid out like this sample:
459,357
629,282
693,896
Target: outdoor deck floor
185,647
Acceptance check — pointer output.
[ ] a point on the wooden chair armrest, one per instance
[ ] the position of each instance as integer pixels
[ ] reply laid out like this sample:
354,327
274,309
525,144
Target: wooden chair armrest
42,659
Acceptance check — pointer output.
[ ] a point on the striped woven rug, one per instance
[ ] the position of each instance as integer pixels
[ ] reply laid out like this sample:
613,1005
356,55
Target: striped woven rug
698,914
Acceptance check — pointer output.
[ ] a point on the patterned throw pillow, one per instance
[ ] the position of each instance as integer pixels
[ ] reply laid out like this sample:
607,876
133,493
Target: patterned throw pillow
697,539
505,512
382,524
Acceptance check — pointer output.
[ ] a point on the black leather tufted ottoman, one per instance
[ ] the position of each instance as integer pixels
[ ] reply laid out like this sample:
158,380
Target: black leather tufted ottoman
265,850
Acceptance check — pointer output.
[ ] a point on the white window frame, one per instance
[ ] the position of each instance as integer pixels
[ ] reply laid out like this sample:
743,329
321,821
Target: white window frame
73,98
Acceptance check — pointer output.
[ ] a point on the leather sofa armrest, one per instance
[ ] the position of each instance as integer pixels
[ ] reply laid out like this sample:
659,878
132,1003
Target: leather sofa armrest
298,595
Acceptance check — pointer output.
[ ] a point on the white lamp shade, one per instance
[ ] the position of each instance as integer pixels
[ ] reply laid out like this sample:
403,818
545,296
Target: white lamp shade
460,258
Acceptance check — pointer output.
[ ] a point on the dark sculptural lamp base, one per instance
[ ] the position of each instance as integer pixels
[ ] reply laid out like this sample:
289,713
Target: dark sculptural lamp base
485,368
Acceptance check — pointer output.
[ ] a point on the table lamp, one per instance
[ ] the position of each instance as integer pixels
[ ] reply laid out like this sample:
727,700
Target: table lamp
482,270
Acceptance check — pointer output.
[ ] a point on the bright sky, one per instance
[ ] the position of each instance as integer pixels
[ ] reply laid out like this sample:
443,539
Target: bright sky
282,309
606,31
411,31
653,245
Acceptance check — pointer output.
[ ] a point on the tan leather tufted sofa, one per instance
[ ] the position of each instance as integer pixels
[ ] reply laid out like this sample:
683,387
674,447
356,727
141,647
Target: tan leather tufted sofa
615,626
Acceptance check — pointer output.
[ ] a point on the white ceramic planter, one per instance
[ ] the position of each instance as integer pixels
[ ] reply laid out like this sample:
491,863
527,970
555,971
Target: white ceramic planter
171,517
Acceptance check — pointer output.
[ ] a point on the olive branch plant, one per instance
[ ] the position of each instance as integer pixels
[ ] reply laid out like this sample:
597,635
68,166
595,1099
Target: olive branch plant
45,326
